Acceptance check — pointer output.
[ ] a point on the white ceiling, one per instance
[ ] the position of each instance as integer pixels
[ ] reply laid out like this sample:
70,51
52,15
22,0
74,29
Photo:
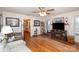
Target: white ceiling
28,10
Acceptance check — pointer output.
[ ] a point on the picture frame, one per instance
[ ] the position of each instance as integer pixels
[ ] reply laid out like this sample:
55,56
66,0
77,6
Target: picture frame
13,22
36,23
59,19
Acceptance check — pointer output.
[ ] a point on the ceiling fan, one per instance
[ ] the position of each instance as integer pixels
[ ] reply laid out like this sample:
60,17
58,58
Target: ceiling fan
43,11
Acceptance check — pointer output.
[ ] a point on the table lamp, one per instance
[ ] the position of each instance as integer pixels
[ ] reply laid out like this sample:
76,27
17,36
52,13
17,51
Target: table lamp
6,30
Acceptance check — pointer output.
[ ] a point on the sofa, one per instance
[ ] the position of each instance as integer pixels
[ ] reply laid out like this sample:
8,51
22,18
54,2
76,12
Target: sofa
16,46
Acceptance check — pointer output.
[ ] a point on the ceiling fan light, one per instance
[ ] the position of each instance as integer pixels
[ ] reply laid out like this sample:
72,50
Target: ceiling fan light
42,13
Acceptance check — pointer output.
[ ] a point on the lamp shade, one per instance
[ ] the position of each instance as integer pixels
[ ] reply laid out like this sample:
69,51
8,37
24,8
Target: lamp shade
6,30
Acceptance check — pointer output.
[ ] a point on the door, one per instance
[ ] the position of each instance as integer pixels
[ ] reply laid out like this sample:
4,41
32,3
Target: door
76,28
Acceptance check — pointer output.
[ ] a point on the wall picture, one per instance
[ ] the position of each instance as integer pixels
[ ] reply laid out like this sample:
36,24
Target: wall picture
59,19
13,22
36,23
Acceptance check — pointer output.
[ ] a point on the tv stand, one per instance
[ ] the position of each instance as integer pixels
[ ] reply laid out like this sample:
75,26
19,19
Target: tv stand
59,34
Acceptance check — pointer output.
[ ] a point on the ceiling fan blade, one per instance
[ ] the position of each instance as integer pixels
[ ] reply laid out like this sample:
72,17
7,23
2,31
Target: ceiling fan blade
48,13
41,9
50,10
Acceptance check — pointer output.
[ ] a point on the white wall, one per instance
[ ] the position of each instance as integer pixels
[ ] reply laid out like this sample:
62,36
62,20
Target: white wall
70,16
14,15
21,17
32,25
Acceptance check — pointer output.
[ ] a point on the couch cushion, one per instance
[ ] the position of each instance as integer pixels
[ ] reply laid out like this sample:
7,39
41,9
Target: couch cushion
18,46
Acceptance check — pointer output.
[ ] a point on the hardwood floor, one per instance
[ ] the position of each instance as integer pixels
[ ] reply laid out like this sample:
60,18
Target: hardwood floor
44,44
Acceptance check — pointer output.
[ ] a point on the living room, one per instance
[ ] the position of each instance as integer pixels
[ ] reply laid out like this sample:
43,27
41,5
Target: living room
35,29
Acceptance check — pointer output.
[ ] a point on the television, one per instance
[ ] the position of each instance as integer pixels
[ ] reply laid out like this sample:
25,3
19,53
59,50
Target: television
58,26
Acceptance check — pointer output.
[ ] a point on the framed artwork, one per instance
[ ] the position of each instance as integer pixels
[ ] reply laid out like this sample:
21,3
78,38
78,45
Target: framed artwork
36,23
59,19
13,22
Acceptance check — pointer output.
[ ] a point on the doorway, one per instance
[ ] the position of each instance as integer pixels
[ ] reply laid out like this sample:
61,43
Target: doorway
26,29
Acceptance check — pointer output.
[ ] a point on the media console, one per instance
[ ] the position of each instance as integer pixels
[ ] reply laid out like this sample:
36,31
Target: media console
59,34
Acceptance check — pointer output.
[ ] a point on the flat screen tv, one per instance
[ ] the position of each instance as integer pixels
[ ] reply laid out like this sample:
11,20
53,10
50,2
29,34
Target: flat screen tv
58,26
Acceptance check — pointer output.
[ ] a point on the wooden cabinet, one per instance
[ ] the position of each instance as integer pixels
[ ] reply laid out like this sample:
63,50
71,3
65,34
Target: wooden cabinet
70,39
